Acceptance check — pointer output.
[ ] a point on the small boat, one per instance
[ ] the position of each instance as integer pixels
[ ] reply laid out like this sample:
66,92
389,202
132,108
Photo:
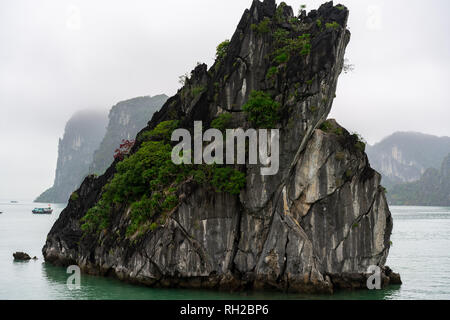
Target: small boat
42,210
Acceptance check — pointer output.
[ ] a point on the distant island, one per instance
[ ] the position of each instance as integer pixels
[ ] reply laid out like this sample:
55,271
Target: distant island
432,189
82,136
414,167
90,139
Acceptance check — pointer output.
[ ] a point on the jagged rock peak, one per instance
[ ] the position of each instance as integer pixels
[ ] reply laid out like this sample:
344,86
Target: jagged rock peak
315,226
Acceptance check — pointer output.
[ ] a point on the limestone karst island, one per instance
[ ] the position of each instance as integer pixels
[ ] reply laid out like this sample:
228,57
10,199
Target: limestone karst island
315,226
303,154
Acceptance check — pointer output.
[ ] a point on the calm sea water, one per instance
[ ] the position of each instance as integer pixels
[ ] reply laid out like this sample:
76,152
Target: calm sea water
421,253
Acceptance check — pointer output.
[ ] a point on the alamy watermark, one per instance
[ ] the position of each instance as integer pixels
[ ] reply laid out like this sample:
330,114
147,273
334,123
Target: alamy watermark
74,280
73,21
374,280
374,20
262,147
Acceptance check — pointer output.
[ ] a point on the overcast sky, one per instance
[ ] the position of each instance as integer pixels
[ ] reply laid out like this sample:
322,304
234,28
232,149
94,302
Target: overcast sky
57,57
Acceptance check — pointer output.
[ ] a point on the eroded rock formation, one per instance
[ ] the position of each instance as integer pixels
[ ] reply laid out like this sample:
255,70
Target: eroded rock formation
316,226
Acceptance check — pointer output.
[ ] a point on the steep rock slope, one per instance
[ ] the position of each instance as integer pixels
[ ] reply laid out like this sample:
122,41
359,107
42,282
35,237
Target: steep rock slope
404,156
126,119
315,226
433,188
82,136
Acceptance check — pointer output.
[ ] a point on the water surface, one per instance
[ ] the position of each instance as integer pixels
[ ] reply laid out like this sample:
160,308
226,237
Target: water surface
420,252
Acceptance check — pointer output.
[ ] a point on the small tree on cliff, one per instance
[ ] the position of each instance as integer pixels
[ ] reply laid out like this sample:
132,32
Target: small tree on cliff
124,149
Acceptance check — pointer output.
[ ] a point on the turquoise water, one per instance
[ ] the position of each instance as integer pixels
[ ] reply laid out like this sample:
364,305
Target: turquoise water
420,252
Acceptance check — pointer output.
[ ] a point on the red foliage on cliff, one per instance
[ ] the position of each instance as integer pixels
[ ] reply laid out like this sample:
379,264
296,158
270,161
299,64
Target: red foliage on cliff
124,149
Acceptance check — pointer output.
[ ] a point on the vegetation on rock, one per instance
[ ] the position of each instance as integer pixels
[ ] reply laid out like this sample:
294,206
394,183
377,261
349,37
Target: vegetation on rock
263,27
74,196
262,110
222,48
222,122
148,182
332,25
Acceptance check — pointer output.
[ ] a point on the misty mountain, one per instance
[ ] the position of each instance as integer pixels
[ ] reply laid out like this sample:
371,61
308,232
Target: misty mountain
405,156
126,119
433,188
82,136
90,139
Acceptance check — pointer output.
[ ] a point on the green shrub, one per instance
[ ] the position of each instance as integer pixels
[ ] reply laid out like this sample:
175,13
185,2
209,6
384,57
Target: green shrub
303,43
360,144
199,176
283,57
300,45
142,211
279,13
97,218
319,23
280,35
197,90
162,131
222,122
334,25
263,27
272,72
74,196
262,110
228,180
326,126
329,127
222,49
338,131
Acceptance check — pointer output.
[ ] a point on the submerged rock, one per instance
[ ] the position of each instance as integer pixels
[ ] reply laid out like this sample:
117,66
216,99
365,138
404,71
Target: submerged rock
21,256
316,226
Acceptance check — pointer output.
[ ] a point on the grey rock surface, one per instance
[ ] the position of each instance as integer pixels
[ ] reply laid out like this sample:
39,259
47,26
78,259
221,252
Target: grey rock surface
316,226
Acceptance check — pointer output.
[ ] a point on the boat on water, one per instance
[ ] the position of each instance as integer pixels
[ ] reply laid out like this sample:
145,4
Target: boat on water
48,210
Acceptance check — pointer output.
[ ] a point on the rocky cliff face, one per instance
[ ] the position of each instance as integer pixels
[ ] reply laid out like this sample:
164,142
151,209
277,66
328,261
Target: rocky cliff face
126,119
316,226
82,136
404,156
